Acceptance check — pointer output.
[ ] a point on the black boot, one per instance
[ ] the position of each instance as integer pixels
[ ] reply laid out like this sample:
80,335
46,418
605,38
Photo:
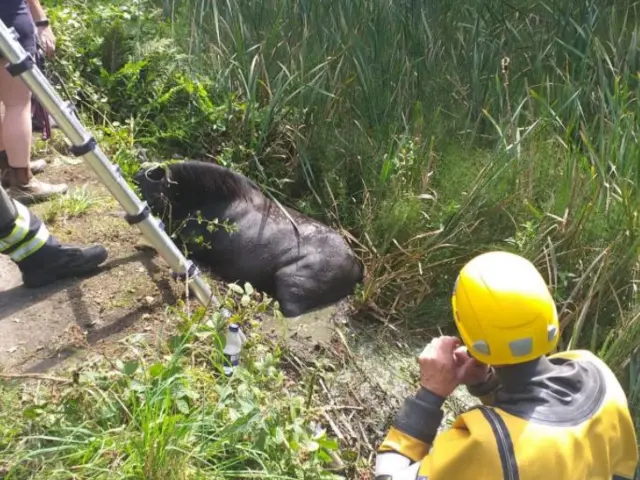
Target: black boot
38,254
56,262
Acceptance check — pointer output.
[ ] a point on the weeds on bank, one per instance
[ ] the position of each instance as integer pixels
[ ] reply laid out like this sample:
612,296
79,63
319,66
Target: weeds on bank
77,202
169,412
426,133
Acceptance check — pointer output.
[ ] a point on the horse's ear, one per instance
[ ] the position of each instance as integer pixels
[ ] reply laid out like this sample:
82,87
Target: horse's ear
154,172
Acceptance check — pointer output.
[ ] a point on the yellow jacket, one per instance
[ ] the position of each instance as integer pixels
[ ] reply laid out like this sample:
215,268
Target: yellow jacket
563,417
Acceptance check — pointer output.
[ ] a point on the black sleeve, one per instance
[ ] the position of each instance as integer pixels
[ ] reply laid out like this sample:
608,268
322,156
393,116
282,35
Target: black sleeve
420,416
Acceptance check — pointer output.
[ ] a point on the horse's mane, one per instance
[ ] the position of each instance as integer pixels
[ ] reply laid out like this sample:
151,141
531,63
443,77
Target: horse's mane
205,182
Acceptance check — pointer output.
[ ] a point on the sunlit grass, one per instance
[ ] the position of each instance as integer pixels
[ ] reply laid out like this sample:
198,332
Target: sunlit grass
75,203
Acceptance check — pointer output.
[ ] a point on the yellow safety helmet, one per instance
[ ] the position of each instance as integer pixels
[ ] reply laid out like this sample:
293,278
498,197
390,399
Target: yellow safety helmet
503,310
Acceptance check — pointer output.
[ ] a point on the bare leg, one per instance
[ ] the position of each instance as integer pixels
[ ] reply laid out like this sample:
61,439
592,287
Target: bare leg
1,119
16,134
16,127
37,166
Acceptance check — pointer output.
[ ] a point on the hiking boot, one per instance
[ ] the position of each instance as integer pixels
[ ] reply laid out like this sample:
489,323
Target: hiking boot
63,261
26,189
36,167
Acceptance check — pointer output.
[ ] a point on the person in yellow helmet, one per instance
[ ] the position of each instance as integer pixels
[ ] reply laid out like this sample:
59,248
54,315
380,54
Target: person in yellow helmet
543,416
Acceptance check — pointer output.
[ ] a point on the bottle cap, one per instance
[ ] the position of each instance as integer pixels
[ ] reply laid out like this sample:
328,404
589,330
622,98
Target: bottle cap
233,328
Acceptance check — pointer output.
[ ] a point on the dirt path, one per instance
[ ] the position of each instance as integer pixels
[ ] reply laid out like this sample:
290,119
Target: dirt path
39,328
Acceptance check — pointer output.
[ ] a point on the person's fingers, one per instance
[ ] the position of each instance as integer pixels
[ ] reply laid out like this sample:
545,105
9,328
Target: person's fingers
470,364
48,42
461,354
460,359
465,365
447,340
447,345
472,371
462,349
426,351
442,347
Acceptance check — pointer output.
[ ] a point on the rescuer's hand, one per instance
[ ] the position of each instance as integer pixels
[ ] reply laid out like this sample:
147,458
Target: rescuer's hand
439,371
48,41
470,371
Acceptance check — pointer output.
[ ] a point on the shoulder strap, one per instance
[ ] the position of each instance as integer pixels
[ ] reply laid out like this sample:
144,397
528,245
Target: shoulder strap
505,445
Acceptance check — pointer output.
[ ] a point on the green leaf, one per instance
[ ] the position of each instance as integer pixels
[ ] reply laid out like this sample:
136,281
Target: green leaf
248,288
329,444
324,456
312,446
32,412
130,367
191,394
182,406
213,319
156,370
245,300
279,436
349,455
236,288
176,341
203,334
246,407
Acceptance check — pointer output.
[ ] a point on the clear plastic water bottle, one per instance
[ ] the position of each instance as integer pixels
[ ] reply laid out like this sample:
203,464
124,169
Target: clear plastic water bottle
232,349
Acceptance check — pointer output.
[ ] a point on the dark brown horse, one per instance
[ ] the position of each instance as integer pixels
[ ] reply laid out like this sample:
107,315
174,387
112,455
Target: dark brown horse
302,263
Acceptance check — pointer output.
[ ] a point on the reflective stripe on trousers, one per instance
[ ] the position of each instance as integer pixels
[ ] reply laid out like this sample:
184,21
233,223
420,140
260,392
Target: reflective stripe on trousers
20,229
32,246
15,245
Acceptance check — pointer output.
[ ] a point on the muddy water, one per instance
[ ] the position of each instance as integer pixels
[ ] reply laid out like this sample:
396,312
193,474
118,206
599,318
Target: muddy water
374,369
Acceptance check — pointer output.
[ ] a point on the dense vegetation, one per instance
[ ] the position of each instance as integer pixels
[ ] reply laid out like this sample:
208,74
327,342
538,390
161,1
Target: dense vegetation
429,132
168,412
426,131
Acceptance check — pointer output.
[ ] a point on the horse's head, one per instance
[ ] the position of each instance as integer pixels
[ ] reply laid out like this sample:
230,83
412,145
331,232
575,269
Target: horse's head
153,181
177,189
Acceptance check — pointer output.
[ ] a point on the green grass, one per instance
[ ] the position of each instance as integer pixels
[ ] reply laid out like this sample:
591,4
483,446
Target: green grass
427,132
75,203
167,411
432,133
410,136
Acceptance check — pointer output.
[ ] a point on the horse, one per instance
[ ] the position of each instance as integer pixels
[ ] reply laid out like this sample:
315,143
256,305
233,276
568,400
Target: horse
228,225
